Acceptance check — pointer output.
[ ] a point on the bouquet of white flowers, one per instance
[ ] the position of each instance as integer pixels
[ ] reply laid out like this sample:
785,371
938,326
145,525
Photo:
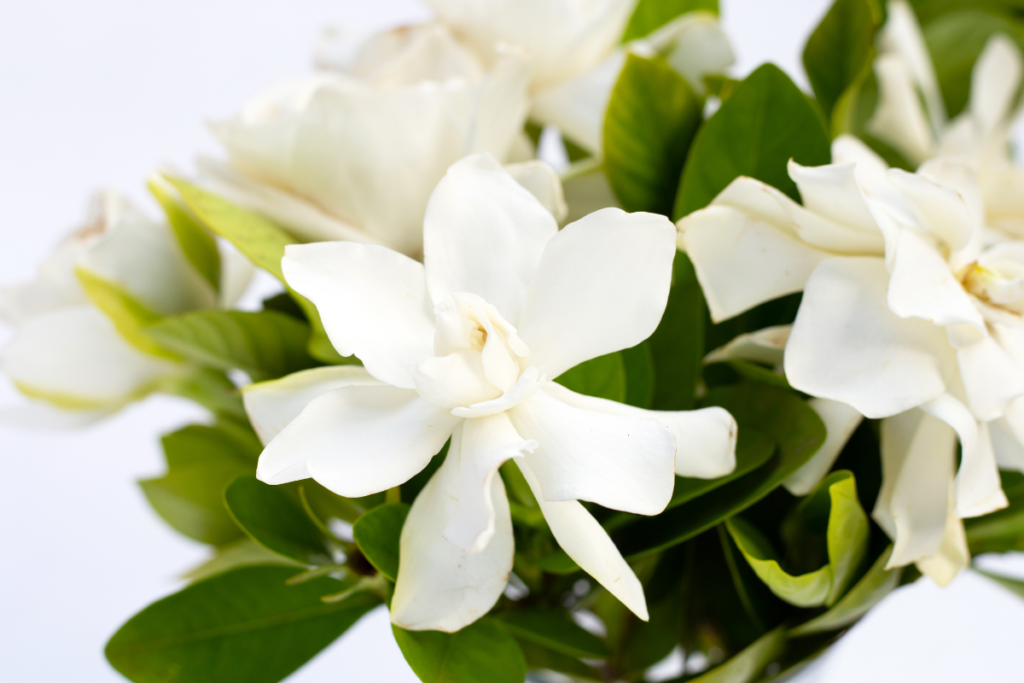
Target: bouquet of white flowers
744,362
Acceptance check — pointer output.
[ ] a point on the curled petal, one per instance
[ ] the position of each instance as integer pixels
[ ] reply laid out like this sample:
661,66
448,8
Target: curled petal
840,422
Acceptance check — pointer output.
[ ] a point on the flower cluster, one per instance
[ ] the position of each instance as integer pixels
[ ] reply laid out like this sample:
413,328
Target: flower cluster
685,368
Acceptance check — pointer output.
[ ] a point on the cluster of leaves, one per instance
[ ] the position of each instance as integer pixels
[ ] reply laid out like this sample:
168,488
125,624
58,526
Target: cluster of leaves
736,568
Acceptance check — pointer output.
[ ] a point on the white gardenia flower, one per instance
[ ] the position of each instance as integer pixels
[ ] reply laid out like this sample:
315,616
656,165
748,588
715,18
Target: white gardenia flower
66,353
906,315
911,115
575,54
464,346
353,153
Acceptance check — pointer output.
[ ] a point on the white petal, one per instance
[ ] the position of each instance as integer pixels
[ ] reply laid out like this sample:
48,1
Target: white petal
978,489
917,484
41,416
846,345
922,285
373,303
994,81
763,346
602,286
1008,437
486,443
144,258
697,46
832,192
840,422
236,272
900,120
991,377
588,544
543,183
623,463
705,439
357,440
952,556
409,55
456,379
502,103
75,357
528,384
742,261
440,586
902,35
272,405
484,234
941,211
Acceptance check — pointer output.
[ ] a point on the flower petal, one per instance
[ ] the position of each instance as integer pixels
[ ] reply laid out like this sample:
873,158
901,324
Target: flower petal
543,183
1008,437
978,489
991,377
995,78
899,119
705,439
601,286
917,484
272,405
373,303
952,556
832,192
697,46
456,379
846,345
41,416
763,346
840,422
486,443
484,234
589,546
941,211
624,463
75,358
440,586
357,440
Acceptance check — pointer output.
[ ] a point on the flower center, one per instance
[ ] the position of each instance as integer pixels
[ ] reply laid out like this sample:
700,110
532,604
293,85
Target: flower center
998,282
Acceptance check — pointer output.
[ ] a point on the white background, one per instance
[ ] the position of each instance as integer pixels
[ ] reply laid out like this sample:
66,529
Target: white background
95,93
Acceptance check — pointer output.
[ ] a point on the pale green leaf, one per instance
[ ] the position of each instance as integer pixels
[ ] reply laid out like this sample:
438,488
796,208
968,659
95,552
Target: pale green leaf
198,245
750,663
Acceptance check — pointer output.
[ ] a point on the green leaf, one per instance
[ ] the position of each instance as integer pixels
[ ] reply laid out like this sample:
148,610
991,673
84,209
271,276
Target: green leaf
955,41
1014,586
201,461
210,389
840,48
639,367
269,517
128,314
244,552
805,590
765,122
555,630
864,595
538,657
651,118
264,345
377,533
604,377
651,15
677,345
764,414
482,651
245,625
1002,530
749,664
196,242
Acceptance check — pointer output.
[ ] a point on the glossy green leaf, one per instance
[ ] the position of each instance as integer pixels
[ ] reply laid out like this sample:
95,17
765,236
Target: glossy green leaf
209,388
651,119
840,48
265,344
269,517
639,366
555,630
865,594
765,414
765,122
955,41
748,665
834,502
651,15
677,345
482,651
244,625
538,657
198,245
201,461
1013,585
128,314
603,377
244,552
1002,530
377,533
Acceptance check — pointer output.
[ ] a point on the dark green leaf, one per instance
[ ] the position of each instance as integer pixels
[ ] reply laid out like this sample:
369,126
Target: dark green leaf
271,519
955,41
639,367
555,630
198,245
482,651
651,15
677,346
377,534
652,116
538,657
264,345
840,48
763,412
765,122
1013,585
201,461
749,664
245,625
1002,530
603,377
